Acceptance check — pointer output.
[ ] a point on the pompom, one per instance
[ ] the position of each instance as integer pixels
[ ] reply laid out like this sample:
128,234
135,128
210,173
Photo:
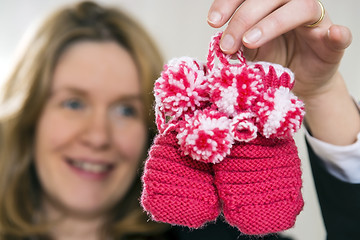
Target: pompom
181,88
206,136
280,113
234,88
243,127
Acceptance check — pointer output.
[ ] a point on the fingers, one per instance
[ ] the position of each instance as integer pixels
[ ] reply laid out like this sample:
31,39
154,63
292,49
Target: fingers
256,22
221,11
290,16
320,18
245,18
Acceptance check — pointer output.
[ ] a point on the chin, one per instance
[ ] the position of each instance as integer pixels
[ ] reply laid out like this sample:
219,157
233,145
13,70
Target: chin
80,208
88,208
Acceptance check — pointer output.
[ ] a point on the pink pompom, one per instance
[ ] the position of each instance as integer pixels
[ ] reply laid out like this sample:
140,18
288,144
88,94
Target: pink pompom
280,113
206,136
234,88
181,88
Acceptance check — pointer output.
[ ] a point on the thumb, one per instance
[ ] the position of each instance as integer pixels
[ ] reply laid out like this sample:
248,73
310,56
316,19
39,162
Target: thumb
338,37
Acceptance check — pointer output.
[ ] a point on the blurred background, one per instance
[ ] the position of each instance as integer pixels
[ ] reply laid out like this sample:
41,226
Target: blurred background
180,29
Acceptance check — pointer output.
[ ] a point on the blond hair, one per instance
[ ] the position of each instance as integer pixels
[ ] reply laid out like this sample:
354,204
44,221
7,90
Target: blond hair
25,93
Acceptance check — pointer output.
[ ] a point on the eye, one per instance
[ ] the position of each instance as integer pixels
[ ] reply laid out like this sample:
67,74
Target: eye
126,110
73,104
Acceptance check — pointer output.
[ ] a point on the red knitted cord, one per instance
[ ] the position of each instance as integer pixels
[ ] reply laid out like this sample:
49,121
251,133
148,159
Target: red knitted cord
260,185
177,189
215,51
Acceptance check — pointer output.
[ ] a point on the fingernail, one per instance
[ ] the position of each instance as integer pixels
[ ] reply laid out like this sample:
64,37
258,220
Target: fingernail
214,17
227,42
253,36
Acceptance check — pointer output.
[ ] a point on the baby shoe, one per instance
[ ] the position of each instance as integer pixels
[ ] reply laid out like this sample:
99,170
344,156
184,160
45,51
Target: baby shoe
259,182
177,189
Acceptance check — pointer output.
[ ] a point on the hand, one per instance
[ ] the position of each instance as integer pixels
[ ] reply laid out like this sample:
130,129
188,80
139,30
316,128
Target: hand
276,31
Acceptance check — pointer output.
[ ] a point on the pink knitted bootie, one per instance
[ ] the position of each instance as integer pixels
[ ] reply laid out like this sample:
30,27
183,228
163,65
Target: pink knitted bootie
178,186
177,189
259,184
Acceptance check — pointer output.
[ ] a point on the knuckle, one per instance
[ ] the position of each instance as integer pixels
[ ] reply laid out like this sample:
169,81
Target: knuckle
241,20
311,7
276,22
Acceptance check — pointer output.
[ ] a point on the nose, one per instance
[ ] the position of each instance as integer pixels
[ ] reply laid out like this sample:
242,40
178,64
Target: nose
97,131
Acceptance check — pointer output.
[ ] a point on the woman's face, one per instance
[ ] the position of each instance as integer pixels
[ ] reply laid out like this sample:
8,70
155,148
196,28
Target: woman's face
91,134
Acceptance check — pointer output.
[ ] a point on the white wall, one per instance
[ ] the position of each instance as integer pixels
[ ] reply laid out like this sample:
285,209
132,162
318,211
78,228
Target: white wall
180,29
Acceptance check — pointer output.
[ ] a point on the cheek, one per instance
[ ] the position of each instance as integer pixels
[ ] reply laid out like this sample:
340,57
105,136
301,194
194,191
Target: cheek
131,141
49,136
53,131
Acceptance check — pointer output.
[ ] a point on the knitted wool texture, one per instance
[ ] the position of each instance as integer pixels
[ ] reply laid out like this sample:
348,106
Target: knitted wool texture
178,190
225,145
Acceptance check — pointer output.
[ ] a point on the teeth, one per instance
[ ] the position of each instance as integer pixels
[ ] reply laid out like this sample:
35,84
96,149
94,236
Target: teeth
91,167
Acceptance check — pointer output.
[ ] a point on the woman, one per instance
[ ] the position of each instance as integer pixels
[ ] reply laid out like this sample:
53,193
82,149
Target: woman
60,136
77,122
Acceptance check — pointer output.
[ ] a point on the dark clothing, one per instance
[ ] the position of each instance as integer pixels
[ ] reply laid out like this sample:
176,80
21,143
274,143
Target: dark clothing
219,231
339,202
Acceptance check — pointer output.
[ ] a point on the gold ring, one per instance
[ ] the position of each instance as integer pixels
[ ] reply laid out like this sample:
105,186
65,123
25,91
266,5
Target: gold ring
321,17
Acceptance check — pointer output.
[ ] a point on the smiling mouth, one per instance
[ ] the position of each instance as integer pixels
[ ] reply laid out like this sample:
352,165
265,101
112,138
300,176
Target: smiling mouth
90,167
